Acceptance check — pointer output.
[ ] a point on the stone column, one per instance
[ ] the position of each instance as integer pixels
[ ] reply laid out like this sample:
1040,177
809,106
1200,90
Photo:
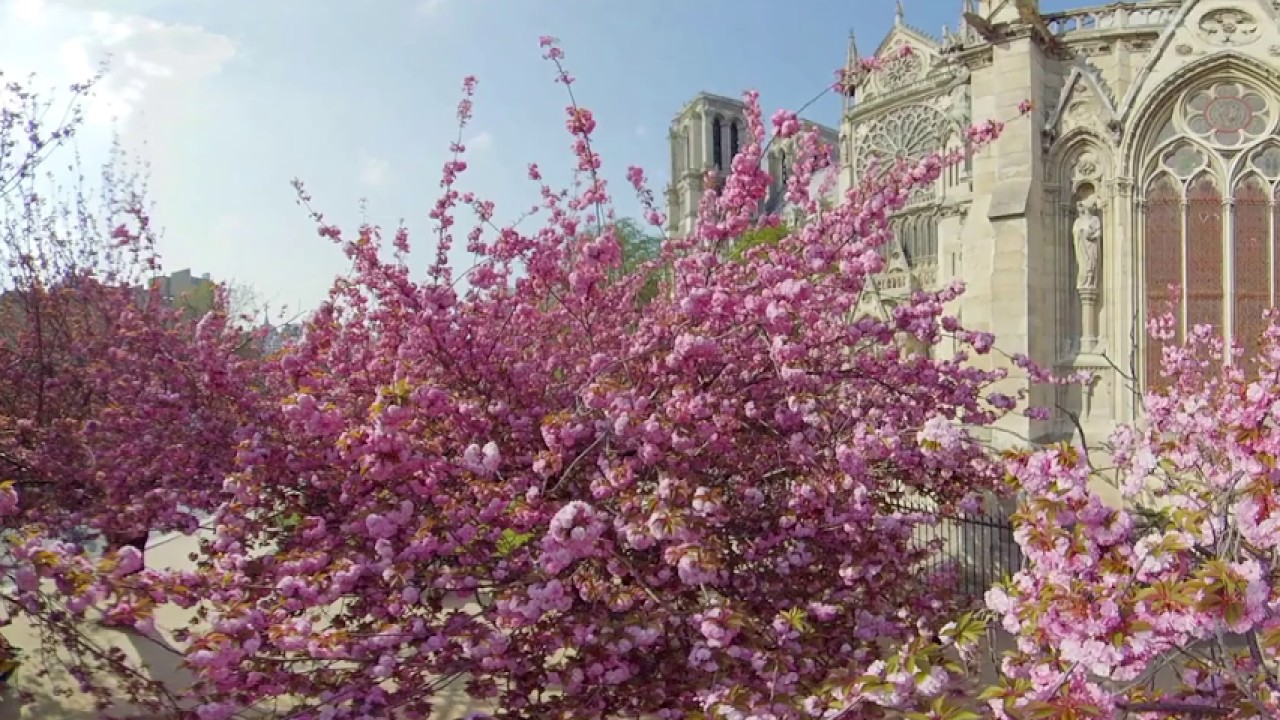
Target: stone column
1007,253
1088,319
1123,276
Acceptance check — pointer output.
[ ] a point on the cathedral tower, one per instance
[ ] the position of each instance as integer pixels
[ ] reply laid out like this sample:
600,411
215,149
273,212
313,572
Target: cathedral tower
705,135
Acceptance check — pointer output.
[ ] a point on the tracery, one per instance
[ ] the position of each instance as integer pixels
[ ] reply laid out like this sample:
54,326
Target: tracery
1208,192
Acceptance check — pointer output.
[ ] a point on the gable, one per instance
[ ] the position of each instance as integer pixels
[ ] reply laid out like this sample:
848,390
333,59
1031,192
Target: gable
898,69
902,34
1202,32
1083,103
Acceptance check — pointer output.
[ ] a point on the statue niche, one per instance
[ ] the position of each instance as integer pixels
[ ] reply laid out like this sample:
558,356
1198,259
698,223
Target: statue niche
1086,242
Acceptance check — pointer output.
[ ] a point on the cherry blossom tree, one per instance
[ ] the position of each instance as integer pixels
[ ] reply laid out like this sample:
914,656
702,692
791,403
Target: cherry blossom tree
1161,604
120,415
571,504
1167,605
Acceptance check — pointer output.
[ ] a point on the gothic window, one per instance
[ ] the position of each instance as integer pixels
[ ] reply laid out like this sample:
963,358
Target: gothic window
1251,269
1211,216
1163,252
899,69
733,140
908,134
918,238
717,150
1204,252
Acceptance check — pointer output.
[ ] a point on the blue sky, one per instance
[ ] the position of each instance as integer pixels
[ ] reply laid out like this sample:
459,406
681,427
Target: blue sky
228,100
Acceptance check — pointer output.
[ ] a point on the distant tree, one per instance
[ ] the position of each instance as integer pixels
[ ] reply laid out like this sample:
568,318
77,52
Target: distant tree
755,237
638,246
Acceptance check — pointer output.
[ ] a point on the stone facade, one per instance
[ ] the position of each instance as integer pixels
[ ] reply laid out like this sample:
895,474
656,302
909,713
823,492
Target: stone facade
1151,158
706,135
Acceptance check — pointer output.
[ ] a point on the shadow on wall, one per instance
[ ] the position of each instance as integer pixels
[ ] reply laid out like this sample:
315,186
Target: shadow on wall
57,695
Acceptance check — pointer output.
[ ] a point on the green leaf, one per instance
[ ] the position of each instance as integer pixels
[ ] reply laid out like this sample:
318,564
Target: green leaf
798,618
510,541
756,237
969,629
994,692
291,521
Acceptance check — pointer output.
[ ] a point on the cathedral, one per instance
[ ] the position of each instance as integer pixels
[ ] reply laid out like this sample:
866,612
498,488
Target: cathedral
1151,159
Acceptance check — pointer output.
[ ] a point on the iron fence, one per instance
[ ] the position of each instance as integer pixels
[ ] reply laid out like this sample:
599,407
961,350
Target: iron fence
980,546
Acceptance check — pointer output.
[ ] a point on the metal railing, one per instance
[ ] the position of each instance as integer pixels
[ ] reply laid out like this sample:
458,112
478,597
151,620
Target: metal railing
980,546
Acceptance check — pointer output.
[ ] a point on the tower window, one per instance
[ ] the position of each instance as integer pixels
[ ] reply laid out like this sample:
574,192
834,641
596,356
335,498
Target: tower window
717,150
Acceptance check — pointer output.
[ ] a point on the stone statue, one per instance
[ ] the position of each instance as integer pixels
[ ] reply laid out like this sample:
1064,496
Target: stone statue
1086,232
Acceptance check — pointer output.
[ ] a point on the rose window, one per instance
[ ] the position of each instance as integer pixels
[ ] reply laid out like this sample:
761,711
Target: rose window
1227,115
910,133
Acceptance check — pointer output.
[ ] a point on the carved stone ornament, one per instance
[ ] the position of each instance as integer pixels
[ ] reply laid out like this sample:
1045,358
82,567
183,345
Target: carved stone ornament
1080,111
960,111
1183,49
1086,168
900,70
1117,130
1048,136
1229,27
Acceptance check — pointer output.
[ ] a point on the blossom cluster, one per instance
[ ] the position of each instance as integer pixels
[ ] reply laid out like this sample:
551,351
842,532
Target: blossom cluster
1174,581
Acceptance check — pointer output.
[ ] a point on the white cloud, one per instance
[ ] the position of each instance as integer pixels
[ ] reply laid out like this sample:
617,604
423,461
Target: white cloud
29,12
64,43
374,171
428,8
481,142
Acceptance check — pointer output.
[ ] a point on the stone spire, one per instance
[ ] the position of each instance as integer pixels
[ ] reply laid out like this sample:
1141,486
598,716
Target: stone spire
900,15
851,75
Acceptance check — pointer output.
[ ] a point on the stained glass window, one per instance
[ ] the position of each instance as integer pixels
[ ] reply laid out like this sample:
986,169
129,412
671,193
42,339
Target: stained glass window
1267,161
1210,216
1184,160
1163,252
1227,114
1251,263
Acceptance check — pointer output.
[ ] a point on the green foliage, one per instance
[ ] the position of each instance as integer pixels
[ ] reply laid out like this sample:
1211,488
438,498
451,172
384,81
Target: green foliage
756,237
639,247
511,541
